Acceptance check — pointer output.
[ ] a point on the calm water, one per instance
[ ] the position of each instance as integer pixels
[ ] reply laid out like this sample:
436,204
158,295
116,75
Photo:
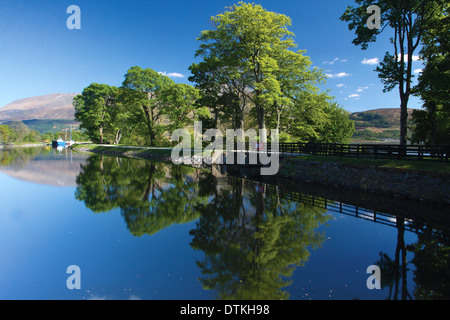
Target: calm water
149,230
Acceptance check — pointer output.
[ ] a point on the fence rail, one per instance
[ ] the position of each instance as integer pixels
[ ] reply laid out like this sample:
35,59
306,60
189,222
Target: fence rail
382,151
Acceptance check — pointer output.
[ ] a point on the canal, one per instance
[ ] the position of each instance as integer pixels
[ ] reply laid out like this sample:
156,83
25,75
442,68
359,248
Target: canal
83,226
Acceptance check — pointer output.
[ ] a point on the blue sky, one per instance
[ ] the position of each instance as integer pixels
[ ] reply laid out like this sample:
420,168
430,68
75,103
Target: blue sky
40,55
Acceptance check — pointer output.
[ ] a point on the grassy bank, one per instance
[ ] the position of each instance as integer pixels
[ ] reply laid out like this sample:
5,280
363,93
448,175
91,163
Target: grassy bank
425,165
139,152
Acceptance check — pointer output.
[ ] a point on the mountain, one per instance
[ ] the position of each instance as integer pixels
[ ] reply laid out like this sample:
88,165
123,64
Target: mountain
378,124
50,106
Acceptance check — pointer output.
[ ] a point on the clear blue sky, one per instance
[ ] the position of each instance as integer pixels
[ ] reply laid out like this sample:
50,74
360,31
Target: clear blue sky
40,55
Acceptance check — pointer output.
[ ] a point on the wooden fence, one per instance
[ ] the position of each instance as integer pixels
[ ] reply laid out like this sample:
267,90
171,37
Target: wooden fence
382,151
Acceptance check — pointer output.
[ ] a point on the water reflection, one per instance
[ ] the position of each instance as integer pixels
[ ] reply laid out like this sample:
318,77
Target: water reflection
254,239
151,196
42,165
254,235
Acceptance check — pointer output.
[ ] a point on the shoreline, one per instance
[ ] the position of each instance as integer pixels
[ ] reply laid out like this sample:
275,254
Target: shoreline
422,185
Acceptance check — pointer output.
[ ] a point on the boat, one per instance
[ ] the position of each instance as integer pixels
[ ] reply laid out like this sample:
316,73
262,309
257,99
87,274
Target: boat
58,143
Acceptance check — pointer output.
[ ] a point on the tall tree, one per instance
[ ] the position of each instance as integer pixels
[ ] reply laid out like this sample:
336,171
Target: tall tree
247,44
147,86
407,20
432,125
93,108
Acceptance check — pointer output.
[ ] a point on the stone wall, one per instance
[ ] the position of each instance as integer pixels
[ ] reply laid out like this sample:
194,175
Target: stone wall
420,185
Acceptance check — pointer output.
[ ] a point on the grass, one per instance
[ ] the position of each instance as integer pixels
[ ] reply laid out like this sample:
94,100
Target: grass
424,165
124,149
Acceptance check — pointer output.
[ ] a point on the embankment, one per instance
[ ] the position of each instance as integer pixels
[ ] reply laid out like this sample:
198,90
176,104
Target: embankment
160,154
427,185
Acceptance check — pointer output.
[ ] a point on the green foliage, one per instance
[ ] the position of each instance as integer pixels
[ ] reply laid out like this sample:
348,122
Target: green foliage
5,133
422,123
248,67
432,125
95,109
339,128
145,87
18,132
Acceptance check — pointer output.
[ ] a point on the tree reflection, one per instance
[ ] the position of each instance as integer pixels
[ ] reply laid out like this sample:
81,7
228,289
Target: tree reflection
253,242
431,258
18,157
150,195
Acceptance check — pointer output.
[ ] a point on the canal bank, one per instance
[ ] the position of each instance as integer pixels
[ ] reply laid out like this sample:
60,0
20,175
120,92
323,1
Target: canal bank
413,182
426,180
161,154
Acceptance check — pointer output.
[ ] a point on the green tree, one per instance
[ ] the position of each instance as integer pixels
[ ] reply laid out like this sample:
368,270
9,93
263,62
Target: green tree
5,133
338,128
305,118
179,104
94,109
145,89
407,19
248,54
432,125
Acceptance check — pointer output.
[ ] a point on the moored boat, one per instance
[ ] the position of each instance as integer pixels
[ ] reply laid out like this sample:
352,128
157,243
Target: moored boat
59,143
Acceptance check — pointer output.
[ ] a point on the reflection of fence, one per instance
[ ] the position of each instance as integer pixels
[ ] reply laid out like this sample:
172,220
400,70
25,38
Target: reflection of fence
340,207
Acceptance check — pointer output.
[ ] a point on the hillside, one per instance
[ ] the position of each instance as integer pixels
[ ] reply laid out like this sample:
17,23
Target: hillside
377,124
50,106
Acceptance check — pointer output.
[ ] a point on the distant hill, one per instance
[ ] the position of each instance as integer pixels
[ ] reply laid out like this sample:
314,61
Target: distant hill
378,124
51,125
51,106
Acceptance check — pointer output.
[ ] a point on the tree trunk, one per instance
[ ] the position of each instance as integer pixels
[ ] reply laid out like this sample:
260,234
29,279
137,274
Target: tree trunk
101,135
432,117
261,116
149,123
118,136
404,121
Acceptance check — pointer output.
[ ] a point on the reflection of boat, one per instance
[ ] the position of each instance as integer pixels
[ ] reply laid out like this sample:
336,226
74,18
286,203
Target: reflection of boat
58,143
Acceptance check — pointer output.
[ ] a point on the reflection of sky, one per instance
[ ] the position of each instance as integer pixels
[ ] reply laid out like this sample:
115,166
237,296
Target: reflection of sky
338,269
44,229
62,171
